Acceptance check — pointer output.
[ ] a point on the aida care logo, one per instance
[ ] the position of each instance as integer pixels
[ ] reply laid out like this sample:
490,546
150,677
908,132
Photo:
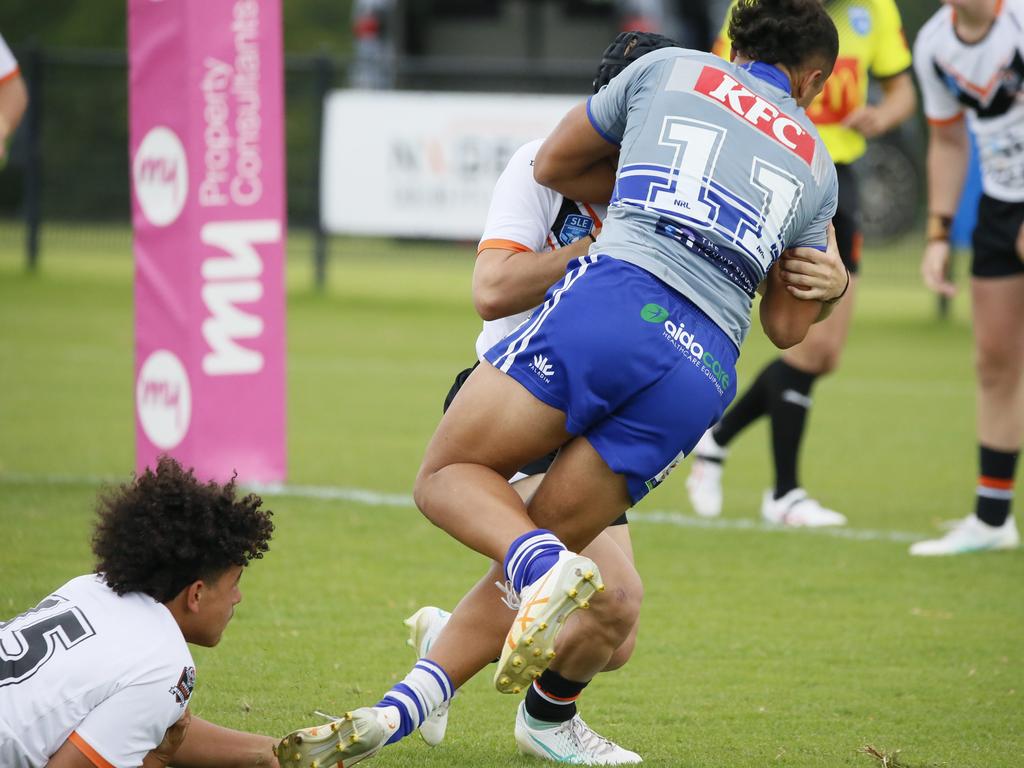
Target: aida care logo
160,175
542,367
163,399
686,342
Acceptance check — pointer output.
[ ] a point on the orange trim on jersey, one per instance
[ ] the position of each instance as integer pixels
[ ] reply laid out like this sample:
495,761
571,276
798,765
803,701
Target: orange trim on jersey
946,120
13,73
593,214
91,754
505,245
998,483
981,91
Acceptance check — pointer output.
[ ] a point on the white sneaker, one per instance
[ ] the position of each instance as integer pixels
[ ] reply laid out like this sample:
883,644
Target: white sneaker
797,509
971,535
571,742
358,735
424,627
543,608
704,484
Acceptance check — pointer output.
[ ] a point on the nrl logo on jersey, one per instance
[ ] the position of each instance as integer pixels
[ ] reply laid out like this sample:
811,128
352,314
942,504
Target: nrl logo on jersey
760,113
182,690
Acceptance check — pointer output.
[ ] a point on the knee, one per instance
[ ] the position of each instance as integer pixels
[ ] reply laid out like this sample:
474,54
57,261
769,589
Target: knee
997,366
421,493
619,611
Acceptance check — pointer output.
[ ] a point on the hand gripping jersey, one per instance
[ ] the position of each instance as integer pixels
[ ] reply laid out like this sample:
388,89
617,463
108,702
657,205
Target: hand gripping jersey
871,41
985,79
719,172
527,217
111,673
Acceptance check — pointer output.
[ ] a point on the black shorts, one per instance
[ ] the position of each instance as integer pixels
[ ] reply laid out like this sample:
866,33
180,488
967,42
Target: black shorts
535,467
847,218
995,238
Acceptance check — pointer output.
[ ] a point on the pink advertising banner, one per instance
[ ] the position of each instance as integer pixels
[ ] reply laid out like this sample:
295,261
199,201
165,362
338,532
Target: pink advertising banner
208,210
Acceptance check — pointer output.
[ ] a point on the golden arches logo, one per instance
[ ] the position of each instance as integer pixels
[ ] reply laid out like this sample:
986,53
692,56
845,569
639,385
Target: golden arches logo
841,95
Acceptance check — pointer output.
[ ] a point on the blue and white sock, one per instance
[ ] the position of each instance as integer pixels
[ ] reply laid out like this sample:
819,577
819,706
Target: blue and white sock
530,557
425,688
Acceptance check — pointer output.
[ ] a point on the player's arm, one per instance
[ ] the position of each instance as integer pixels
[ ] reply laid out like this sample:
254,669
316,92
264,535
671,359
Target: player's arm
507,281
576,160
69,756
207,745
785,318
899,99
949,151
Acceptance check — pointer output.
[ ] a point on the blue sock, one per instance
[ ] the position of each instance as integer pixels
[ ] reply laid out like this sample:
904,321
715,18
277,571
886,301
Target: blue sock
530,557
425,688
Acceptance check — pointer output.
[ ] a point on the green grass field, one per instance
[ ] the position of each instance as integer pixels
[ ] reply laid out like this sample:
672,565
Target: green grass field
757,648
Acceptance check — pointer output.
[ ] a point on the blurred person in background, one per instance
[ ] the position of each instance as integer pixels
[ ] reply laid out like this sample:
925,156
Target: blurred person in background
870,41
969,59
98,674
632,355
13,98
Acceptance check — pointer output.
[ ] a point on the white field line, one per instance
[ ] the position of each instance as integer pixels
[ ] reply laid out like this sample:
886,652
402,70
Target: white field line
377,499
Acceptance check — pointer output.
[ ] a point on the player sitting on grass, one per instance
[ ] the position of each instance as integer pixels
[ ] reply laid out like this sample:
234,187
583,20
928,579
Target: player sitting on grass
632,355
98,674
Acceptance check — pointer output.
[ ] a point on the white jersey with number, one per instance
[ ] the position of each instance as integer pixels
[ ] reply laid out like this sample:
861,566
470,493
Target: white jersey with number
527,217
985,79
8,64
110,673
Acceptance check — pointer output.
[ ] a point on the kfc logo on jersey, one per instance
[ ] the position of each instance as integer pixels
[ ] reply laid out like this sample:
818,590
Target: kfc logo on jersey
760,113
182,690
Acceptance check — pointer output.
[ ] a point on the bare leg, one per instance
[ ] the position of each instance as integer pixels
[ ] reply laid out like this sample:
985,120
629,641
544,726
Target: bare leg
491,429
998,308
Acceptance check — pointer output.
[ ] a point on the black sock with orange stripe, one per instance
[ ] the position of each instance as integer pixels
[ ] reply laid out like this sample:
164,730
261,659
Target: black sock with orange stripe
552,698
995,485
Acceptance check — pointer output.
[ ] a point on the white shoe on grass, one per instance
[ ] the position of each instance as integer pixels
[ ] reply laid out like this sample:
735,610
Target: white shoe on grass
424,627
358,735
542,610
704,483
971,535
570,742
797,509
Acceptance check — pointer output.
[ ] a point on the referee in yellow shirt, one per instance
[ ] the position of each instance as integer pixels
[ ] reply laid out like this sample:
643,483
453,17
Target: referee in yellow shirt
871,41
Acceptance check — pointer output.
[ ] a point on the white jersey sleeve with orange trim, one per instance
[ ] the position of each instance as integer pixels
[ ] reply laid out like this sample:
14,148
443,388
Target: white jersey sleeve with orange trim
940,105
111,673
521,210
8,64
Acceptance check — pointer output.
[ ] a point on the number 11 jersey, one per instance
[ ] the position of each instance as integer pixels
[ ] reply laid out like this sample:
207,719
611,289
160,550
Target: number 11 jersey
719,171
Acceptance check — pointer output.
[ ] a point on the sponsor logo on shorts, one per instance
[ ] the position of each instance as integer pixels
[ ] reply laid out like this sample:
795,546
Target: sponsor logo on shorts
654,313
687,342
542,368
659,478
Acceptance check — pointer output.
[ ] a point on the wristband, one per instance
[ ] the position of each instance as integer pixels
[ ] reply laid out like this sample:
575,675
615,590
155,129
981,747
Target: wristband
591,236
835,299
938,227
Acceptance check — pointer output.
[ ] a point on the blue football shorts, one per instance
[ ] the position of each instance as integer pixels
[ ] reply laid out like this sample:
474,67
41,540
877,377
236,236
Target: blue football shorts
637,368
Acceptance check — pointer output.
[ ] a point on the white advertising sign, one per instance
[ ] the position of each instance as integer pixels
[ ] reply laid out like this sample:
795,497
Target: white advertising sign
423,164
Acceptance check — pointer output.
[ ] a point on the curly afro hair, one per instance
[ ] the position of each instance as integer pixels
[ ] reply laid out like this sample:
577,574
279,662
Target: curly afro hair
165,529
788,32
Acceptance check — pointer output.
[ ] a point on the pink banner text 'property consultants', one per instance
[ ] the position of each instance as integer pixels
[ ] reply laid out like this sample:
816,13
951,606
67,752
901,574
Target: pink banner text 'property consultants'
208,211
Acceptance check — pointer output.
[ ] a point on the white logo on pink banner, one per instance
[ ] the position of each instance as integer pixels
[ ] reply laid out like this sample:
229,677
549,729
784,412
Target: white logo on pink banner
164,399
161,176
